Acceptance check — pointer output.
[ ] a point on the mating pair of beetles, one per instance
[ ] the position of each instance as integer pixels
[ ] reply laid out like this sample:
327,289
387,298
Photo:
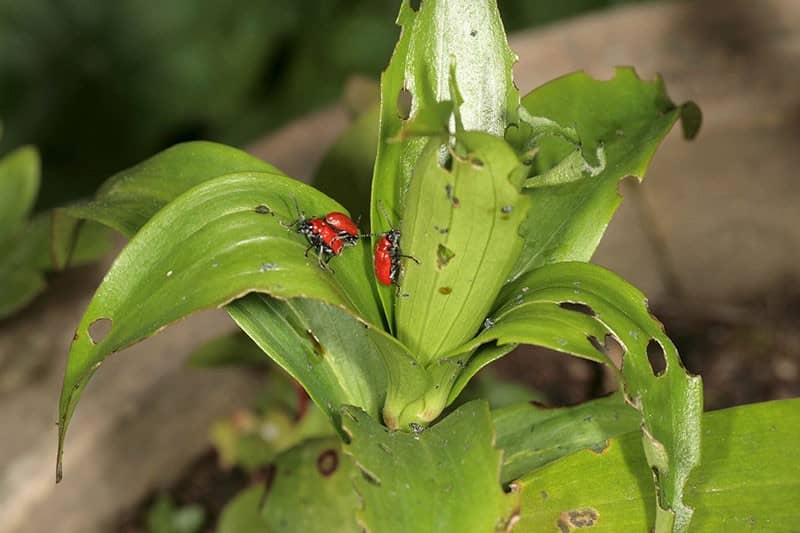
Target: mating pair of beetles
331,234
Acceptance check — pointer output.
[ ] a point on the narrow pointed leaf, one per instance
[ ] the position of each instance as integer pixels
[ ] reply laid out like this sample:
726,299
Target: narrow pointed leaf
532,436
19,185
309,489
669,400
747,480
211,245
441,33
619,124
462,227
442,479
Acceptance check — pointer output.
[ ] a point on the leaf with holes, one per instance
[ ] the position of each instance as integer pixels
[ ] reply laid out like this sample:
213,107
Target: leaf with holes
568,306
308,488
618,125
531,435
213,244
461,226
442,479
435,36
747,479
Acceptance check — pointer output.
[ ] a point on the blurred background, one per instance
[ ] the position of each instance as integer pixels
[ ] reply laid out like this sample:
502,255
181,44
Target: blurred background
99,86
712,236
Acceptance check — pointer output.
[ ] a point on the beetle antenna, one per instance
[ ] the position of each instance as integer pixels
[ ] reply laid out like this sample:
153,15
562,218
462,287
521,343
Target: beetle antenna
385,216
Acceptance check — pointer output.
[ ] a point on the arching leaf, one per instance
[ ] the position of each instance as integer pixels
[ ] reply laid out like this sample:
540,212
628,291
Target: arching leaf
668,398
211,245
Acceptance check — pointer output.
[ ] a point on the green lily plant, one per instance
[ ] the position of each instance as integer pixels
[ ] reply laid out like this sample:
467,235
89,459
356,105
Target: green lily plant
500,200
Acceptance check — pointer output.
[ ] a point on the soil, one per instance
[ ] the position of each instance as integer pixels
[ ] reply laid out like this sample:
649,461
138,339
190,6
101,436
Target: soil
745,353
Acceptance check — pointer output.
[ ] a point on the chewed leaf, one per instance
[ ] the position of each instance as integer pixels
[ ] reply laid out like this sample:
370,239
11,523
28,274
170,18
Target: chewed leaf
532,436
747,480
461,225
669,399
437,37
308,488
210,246
444,478
588,134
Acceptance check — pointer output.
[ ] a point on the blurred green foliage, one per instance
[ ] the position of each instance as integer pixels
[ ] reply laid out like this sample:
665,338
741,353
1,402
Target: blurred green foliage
101,85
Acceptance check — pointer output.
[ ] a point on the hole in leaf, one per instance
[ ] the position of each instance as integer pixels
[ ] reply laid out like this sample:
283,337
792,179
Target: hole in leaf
414,4
99,330
443,256
404,101
445,159
578,308
656,357
611,347
319,349
327,462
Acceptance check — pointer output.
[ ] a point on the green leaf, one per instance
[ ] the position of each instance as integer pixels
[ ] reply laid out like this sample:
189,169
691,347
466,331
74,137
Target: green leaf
670,401
467,33
531,435
442,479
213,244
233,349
127,200
345,172
19,185
619,124
747,480
309,489
334,356
462,227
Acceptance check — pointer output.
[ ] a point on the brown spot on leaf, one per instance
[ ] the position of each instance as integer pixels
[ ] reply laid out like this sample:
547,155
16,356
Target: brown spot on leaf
445,290
327,462
577,519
